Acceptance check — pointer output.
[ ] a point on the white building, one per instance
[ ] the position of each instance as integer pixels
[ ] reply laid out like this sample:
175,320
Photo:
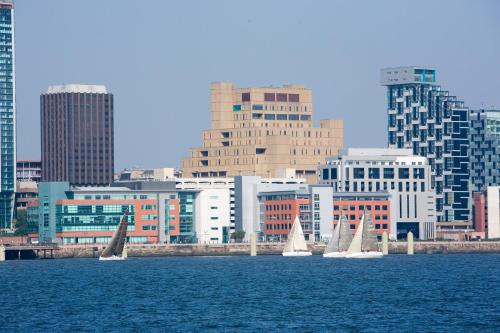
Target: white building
405,177
214,204
493,211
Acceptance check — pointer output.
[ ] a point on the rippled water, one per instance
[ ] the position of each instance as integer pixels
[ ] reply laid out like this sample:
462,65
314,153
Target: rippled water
427,293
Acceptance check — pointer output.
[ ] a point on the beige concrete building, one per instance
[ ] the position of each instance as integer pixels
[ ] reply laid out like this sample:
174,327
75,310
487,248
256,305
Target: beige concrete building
265,132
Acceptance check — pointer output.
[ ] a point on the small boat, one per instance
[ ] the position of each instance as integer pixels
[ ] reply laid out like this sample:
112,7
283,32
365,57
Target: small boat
296,244
341,238
116,249
364,245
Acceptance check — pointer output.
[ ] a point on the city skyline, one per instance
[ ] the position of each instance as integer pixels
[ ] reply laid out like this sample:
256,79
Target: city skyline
164,75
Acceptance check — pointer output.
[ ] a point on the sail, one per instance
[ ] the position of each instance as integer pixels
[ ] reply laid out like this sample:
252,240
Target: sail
115,246
296,241
355,246
369,236
333,244
345,235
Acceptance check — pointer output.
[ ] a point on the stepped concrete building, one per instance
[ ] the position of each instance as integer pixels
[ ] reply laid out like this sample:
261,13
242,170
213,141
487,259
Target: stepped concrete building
265,132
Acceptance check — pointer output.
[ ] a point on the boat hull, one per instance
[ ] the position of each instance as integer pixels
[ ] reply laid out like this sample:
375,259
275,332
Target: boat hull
335,254
297,254
111,258
365,255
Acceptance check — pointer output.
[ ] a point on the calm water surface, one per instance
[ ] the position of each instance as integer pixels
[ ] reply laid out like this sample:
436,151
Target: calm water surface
423,293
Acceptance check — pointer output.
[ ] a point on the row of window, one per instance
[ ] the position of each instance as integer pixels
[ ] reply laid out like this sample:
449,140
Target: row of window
374,173
360,207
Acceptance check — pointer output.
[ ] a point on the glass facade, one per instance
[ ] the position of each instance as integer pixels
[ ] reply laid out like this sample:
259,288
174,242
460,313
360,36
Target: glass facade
7,115
484,149
186,218
434,124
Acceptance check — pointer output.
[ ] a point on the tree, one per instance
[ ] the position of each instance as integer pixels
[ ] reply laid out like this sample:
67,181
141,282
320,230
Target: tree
21,223
238,235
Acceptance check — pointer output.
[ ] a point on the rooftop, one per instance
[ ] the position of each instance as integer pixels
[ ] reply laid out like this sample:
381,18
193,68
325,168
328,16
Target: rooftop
77,88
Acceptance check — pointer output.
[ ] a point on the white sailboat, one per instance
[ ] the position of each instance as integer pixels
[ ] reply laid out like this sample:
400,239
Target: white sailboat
364,245
296,244
341,238
116,249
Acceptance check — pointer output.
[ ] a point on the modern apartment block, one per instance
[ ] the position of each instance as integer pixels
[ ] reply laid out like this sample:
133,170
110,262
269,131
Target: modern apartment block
7,115
265,132
484,149
397,172
77,134
434,124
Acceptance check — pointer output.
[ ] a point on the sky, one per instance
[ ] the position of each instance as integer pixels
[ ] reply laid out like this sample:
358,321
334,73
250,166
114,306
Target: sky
159,57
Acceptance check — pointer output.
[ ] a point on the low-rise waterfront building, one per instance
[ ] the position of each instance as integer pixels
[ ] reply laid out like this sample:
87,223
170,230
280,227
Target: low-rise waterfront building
407,179
354,204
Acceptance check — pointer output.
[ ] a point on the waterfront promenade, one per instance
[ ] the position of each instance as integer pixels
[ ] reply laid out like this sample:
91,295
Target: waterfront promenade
235,249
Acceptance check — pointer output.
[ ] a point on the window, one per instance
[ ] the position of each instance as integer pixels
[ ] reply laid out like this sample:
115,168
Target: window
404,173
389,173
374,173
257,107
236,107
325,174
245,97
359,173
333,172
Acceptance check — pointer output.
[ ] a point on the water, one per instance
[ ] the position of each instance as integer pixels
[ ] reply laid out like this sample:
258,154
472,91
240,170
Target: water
424,293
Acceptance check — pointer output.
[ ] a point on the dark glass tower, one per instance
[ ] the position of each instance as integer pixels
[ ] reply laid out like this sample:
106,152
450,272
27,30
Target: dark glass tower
435,124
7,115
77,135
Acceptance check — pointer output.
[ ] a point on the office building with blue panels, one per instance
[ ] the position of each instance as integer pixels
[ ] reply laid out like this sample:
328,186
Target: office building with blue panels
434,124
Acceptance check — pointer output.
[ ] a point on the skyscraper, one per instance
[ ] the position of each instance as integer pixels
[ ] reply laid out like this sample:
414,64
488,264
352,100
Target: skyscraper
7,115
77,134
266,131
484,149
434,124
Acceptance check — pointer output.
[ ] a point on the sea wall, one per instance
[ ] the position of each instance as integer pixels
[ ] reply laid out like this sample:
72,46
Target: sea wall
87,251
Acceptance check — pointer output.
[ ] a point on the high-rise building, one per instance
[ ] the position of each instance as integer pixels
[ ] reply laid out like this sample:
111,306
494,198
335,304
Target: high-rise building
434,124
484,149
265,132
397,172
77,134
7,115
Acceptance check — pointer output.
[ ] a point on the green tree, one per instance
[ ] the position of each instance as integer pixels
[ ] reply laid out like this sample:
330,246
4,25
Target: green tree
238,235
21,223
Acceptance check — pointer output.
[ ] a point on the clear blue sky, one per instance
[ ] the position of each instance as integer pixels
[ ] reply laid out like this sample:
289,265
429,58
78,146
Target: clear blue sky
159,57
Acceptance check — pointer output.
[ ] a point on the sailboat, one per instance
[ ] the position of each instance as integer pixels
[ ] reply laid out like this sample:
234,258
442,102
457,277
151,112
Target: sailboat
364,245
116,248
296,244
341,238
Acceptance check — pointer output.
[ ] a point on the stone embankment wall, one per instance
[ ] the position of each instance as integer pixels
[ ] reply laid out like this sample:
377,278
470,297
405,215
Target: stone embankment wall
85,251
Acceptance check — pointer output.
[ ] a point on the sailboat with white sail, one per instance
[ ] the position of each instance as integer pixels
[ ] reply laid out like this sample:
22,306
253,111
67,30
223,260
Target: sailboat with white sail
296,244
116,248
364,245
340,241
